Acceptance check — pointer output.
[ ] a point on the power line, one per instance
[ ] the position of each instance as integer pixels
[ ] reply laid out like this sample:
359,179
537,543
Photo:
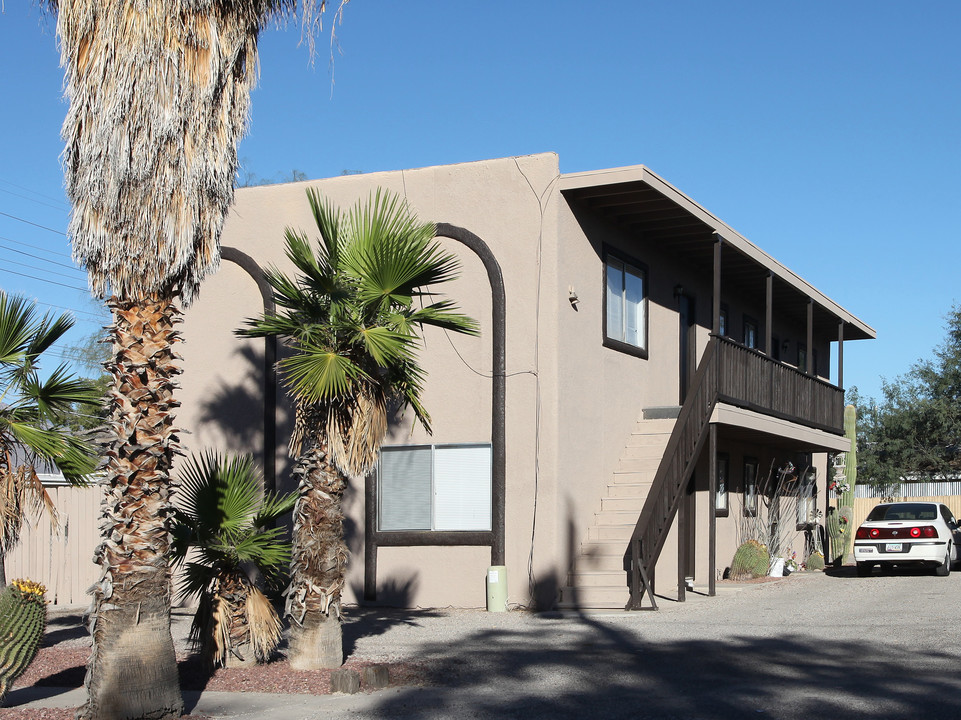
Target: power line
58,253
33,200
37,257
32,192
28,222
95,316
44,270
52,282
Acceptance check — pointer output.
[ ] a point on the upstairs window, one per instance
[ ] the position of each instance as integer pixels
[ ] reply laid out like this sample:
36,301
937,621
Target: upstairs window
626,305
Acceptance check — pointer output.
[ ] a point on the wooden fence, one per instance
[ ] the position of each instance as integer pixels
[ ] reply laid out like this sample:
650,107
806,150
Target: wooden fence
863,506
61,559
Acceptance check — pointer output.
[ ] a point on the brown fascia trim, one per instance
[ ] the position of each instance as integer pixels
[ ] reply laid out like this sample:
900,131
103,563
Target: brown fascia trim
250,266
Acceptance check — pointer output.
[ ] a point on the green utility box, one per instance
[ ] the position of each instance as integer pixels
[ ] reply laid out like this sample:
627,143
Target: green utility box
497,588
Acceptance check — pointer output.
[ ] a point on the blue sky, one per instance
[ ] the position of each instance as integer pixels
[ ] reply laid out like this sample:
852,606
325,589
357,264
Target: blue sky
827,133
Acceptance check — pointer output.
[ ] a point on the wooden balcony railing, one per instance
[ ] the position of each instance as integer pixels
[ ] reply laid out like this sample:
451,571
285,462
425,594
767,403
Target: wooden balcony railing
730,373
749,379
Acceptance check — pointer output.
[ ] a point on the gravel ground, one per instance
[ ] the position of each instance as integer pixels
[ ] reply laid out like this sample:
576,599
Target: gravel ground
810,645
61,662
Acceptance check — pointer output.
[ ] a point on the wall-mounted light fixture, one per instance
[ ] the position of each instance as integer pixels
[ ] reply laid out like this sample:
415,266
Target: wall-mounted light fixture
572,296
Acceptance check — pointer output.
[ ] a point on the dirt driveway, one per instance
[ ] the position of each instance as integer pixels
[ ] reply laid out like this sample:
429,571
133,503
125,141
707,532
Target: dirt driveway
820,646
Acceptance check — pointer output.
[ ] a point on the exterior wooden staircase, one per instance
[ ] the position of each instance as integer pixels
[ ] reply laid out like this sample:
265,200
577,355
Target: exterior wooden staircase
625,539
597,579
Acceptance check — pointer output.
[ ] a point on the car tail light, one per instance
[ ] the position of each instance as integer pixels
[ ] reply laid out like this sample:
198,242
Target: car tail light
896,533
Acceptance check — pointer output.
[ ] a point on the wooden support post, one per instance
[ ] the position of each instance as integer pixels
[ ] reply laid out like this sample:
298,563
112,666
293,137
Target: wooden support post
683,520
712,515
841,354
768,313
716,323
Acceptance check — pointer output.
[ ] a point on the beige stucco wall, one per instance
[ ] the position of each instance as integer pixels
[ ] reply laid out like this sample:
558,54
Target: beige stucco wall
571,402
499,202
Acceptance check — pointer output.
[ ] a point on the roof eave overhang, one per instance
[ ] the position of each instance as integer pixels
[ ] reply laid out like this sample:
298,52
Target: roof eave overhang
608,192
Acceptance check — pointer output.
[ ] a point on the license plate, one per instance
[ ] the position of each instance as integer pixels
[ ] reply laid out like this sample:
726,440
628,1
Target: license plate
892,547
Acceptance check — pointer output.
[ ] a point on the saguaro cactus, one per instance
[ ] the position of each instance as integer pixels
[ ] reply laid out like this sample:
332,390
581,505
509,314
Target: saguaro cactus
23,617
839,521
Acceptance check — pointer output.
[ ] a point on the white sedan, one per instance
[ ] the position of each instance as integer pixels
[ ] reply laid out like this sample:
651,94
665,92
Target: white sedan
908,533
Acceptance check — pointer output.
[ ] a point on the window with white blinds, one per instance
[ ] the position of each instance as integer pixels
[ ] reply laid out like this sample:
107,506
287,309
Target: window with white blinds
625,305
434,487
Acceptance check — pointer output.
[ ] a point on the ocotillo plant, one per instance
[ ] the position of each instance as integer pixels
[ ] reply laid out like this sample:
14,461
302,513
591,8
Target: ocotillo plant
23,617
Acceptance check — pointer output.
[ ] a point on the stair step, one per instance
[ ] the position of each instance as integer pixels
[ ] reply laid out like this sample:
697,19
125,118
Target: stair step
629,477
642,439
609,563
662,425
650,454
595,598
611,532
648,465
623,504
607,518
625,490
599,578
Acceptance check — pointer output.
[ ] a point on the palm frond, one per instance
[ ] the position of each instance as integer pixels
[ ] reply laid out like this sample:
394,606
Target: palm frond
221,514
318,374
263,624
349,316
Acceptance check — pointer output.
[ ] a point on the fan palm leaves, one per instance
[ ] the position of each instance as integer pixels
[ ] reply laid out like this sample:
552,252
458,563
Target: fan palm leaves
224,517
350,314
34,414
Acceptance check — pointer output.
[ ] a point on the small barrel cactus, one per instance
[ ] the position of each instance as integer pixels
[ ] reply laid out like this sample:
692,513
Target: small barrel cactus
815,561
751,559
23,617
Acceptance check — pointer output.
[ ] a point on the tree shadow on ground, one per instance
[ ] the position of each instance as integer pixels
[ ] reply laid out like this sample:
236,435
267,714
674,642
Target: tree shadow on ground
63,627
584,666
392,607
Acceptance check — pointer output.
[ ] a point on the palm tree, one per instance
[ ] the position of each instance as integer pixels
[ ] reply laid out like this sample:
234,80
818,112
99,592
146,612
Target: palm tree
159,97
350,317
222,513
34,417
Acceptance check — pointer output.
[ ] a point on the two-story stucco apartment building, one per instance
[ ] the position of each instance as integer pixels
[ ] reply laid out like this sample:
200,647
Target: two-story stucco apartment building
642,370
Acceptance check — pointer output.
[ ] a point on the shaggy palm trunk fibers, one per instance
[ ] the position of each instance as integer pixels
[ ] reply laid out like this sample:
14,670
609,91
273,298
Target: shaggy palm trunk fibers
132,672
318,563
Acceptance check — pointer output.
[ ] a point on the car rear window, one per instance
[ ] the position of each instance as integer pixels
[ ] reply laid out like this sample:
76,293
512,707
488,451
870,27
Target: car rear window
904,511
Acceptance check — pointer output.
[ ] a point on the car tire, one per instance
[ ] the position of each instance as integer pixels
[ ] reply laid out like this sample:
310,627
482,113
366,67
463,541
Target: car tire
944,569
864,569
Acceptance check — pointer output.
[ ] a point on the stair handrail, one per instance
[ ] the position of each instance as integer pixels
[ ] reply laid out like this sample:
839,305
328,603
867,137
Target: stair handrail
691,426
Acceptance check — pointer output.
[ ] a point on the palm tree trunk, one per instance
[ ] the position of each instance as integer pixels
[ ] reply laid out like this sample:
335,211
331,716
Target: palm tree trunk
132,672
318,563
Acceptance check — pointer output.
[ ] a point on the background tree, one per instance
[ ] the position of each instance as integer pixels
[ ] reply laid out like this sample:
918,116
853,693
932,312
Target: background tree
34,413
914,430
351,317
90,355
159,97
